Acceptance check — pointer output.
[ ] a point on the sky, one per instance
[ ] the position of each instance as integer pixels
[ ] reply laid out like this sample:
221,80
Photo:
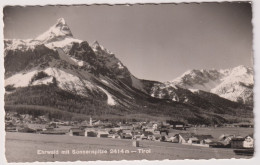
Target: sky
155,42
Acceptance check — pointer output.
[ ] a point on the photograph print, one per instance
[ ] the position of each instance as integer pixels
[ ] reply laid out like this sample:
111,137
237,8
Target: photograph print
128,82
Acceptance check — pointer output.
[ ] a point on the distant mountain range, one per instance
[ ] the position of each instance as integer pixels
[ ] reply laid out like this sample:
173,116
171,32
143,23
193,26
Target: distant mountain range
234,84
57,71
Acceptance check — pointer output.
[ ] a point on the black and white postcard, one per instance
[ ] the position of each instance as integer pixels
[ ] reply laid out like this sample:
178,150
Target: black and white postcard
128,82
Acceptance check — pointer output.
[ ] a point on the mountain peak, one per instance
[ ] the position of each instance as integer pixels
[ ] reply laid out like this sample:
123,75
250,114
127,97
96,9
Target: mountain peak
56,32
61,21
241,70
95,44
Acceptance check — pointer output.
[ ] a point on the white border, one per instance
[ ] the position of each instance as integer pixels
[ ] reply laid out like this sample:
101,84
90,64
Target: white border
256,47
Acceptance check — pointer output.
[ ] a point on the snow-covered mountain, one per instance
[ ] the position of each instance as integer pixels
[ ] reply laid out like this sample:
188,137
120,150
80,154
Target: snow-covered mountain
59,31
235,84
59,35
57,70
75,65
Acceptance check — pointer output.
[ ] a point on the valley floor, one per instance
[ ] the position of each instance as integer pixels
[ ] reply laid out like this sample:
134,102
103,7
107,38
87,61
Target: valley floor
26,147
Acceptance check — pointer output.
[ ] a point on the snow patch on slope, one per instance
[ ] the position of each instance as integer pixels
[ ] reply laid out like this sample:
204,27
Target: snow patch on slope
69,81
46,81
79,62
65,80
194,90
19,44
205,87
104,81
110,100
120,66
66,43
199,79
20,79
237,85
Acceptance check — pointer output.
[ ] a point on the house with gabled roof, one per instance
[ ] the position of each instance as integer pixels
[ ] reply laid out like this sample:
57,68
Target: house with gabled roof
91,132
102,134
76,132
226,139
191,138
243,142
184,137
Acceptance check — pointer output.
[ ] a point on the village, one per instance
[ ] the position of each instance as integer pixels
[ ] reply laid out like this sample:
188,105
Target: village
157,131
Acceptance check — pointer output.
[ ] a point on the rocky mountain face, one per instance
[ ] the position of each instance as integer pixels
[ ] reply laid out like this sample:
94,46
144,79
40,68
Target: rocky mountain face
57,71
234,84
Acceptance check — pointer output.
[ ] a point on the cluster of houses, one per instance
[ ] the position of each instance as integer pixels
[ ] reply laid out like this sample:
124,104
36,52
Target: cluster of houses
18,119
232,141
163,132
225,141
155,131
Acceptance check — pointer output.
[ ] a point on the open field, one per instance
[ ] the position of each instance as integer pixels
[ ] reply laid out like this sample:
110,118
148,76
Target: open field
22,147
